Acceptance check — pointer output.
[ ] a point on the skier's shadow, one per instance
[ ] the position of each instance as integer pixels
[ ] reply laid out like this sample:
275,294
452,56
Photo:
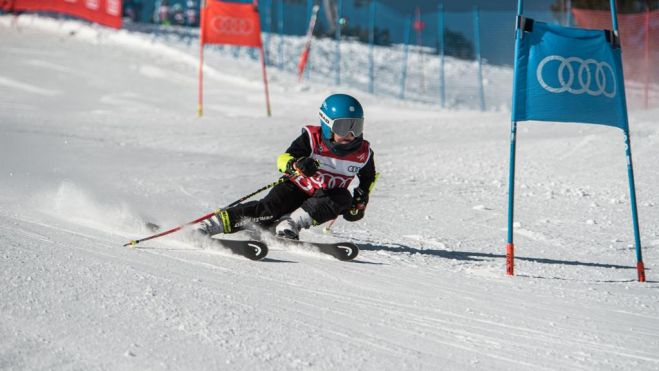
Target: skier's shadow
357,261
479,256
272,260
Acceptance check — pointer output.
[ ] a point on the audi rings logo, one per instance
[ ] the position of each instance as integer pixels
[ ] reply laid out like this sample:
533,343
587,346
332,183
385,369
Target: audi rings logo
232,25
577,76
330,181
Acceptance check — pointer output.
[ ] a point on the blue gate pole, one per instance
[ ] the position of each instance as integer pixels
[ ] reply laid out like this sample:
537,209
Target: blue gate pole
510,247
280,30
156,17
268,27
442,89
156,11
569,13
337,54
371,42
185,15
477,42
186,22
640,268
403,72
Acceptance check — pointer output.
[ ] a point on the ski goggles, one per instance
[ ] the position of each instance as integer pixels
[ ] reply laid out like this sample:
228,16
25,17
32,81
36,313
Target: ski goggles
344,126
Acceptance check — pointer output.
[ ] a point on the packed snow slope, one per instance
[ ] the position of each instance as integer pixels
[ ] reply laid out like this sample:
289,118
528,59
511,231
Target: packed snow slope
98,134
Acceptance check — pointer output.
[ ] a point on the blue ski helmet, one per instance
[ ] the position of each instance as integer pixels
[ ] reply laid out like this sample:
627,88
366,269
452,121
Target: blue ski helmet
342,114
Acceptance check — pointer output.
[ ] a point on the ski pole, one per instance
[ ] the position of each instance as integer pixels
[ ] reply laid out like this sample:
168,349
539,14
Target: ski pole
132,243
328,228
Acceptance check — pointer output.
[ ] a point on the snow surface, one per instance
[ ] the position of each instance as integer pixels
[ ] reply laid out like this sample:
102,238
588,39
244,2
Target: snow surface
99,134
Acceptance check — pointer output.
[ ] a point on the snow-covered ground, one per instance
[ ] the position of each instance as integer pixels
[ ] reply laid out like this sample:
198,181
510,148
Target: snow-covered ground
98,134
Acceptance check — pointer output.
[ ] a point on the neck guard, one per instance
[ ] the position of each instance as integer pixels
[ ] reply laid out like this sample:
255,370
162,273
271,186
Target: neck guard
344,149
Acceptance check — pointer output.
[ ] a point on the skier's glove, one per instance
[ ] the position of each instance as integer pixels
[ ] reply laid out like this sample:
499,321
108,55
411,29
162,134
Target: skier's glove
306,166
353,215
359,202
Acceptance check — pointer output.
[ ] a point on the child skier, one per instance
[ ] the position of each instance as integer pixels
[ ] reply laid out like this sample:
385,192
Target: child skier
319,166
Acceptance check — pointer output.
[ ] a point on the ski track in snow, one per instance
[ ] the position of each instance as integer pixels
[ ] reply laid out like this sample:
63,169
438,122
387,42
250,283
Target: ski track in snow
99,136
11,83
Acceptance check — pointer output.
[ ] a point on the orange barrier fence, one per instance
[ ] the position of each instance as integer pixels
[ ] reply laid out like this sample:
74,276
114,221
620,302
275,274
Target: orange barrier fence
105,12
639,37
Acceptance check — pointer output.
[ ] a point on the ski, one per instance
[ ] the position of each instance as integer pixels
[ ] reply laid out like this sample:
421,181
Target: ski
344,251
251,249
255,249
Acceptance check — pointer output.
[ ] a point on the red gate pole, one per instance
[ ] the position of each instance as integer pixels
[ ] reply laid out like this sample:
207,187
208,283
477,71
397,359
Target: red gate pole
265,82
647,55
